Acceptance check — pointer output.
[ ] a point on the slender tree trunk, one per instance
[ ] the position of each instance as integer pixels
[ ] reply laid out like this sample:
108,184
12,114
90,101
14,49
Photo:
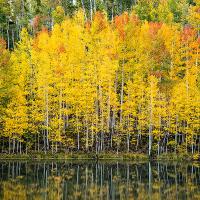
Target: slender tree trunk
60,116
122,92
20,147
8,37
38,142
91,10
13,39
77,129
35,141
17,146
112,17
117,143
87,134
176,142
102,118
26,149
112,130
95,6
128,134
97,112
2,150
13,146
83,7
121,6
150,126
128,142
44,141
108,110
52,147
92,135
159,138
56,144
47,119
9,144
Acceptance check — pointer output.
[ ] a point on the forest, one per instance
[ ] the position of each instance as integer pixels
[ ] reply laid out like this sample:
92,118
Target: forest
100,76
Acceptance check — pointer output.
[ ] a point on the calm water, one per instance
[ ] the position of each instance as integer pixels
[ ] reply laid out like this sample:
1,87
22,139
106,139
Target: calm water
103,180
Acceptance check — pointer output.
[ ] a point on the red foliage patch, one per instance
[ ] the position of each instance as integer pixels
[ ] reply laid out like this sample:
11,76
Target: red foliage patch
61,49
157,74
120,23
188,33
2,44
154,27
100,20
87,25
36,22
134,19
4,53
197,9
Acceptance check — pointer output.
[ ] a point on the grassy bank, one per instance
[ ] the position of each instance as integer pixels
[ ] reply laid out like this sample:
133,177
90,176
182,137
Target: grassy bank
179,157
75,156
100,156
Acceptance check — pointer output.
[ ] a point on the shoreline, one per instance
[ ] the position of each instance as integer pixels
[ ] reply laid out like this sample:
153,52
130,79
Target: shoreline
100,157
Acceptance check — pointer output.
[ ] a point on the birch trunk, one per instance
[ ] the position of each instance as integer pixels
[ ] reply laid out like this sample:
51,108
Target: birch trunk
122,93
150,123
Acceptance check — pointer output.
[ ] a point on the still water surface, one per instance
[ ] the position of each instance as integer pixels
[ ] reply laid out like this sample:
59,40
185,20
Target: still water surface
102,180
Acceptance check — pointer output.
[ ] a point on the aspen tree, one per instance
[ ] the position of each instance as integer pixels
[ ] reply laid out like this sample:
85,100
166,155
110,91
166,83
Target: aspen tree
17,109
152,94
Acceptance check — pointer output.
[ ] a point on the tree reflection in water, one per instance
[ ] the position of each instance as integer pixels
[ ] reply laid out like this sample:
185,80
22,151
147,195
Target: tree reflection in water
103,180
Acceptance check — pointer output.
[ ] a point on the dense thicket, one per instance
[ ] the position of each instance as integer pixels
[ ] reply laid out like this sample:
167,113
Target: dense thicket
123,84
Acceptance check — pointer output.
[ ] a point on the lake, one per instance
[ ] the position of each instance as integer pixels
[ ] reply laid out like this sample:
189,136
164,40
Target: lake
98,180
